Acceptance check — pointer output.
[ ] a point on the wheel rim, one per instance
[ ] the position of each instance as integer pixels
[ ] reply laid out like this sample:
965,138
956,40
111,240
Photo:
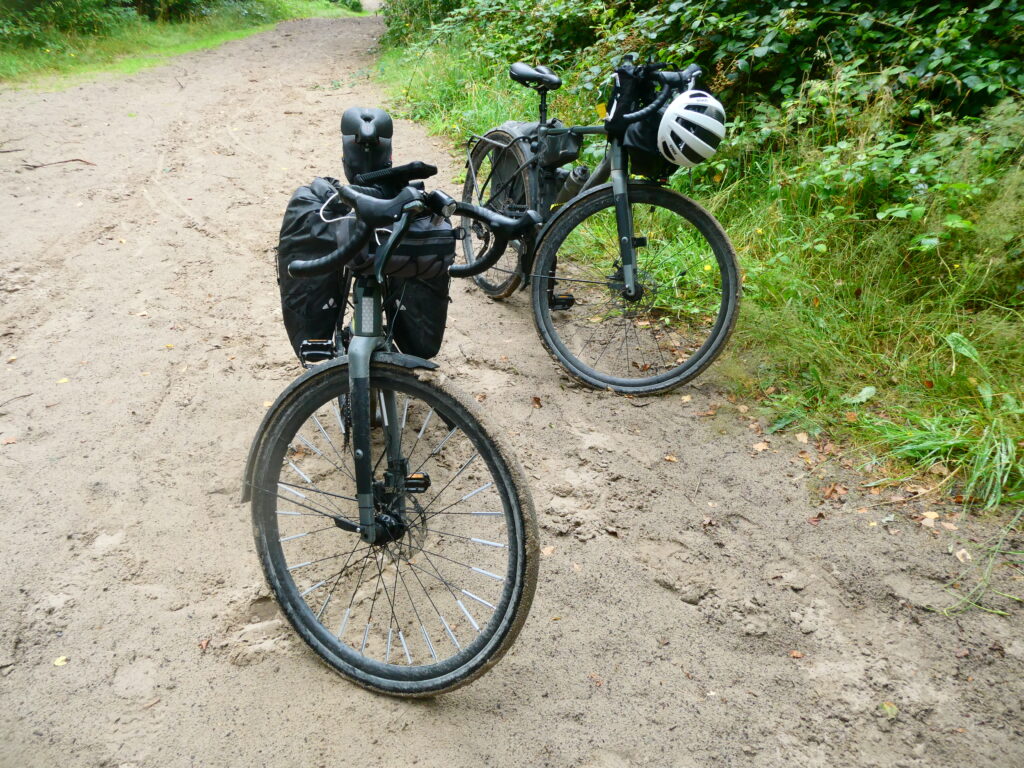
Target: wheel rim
499,186
670,328
432,603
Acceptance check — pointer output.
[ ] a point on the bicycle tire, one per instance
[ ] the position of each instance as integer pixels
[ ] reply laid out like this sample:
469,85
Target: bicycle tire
457,597
690,285
489,168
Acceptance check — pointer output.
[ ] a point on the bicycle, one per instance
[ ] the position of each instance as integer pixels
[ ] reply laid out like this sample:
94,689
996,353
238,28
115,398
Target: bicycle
395,530
654,282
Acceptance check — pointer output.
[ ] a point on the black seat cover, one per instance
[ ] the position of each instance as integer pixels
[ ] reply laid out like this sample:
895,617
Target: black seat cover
541,78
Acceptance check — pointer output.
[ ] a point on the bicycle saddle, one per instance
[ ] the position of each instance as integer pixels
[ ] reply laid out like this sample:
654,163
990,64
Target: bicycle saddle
541,78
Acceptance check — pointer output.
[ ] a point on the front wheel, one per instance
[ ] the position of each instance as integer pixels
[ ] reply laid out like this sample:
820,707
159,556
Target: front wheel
441,600
684,309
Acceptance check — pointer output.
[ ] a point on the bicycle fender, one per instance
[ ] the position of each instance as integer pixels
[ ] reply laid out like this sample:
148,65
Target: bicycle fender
390,358
601,188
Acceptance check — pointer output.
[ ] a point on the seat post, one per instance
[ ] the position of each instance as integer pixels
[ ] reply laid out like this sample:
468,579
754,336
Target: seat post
543,105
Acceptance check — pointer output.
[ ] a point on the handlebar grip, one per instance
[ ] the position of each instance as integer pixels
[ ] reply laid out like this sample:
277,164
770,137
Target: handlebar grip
330,262
404,173
651,108
680,79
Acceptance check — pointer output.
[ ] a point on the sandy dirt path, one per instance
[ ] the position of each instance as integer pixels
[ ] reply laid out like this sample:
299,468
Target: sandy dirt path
138,299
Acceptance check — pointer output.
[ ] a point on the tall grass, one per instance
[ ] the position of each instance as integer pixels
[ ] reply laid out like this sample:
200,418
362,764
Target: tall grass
854,321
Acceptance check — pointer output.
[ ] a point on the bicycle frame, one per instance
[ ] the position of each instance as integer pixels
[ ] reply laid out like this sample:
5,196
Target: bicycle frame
613,166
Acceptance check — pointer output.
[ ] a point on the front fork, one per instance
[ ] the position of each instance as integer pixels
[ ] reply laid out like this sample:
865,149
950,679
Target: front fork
624,220
614,166
367,337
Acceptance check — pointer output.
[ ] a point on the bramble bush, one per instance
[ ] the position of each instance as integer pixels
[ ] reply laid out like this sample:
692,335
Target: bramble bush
872,180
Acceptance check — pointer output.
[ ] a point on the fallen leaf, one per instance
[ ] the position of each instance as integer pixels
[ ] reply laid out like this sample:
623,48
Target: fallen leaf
850,416
930,515
816,519
928,384
481,397
795,655
595,679
671,458
203,644
536,402
949,526
928,522
802,437
834,491
686,398
10,440
63,381
576,567
889,709
938,469
548,550
861,397
962,653
918,490
962,555
806,456
872,524
168,346
267,403
742,408
11,359
708,522
60,661
556,618
762,446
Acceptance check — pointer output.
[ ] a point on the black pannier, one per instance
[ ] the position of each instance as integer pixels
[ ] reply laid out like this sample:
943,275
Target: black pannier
417,313
316,222
310,306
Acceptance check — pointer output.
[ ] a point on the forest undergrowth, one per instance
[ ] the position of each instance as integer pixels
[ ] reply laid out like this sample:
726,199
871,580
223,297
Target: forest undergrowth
872,182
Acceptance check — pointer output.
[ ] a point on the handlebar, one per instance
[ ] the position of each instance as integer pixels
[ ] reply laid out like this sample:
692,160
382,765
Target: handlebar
669,82
372,212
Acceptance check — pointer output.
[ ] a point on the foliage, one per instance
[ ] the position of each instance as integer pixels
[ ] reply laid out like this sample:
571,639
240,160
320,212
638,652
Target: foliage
872,180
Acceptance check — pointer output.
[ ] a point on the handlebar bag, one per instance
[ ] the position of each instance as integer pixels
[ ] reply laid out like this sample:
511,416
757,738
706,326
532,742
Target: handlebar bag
641,144
426,250
310,306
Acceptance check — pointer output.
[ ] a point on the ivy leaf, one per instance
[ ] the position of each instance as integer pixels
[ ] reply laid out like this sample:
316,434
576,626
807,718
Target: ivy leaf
761,51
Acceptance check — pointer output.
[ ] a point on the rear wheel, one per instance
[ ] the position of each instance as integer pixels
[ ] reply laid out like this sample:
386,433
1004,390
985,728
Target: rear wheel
497,178
686,305
442,599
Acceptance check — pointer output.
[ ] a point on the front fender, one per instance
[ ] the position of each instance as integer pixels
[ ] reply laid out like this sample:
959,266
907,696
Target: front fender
324,369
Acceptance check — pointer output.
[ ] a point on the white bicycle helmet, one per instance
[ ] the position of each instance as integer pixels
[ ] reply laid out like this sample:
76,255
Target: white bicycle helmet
691,128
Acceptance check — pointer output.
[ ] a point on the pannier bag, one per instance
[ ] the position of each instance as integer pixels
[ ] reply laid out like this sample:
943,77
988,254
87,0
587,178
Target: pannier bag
417,313
310,306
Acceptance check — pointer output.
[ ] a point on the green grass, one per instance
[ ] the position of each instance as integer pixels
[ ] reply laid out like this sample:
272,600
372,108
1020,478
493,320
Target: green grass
142,43
851,325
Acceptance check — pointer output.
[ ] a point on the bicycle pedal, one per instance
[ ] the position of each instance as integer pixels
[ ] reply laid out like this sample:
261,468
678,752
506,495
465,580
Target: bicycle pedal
417,482
313,351
561,301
